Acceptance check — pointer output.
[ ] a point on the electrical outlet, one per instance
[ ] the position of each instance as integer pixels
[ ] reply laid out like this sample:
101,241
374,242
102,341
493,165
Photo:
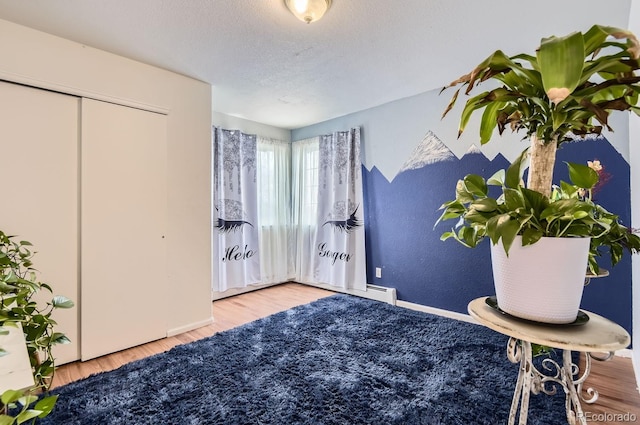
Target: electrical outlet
378,272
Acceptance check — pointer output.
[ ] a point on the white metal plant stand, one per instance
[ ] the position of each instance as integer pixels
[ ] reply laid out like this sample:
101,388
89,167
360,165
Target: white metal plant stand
597,335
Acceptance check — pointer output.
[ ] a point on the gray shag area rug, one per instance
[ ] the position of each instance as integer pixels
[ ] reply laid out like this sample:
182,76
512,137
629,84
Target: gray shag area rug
339,360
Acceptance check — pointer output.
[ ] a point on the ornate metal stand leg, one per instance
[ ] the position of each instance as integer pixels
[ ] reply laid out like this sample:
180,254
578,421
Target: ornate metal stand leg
520,351
572,402
592,393
532,380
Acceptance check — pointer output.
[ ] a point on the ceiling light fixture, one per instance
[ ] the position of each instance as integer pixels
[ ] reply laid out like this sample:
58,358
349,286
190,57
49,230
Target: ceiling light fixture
308,10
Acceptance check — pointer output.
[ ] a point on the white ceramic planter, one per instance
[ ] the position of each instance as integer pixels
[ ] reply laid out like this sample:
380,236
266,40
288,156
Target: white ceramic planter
541,282
15,367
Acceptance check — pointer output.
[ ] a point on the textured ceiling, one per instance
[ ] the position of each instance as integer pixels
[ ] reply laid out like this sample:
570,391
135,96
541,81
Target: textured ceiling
267,66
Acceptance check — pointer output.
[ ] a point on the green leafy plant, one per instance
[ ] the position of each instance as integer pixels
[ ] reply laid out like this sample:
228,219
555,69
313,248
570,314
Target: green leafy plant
567,89
21,406
568,212
19,287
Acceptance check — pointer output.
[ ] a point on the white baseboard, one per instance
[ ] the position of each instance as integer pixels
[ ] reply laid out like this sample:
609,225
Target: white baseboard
626,353
189,327
438,312
215,295
373,292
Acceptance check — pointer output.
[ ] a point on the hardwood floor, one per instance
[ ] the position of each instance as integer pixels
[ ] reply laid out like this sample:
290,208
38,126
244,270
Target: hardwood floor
227,312
619,399
614,379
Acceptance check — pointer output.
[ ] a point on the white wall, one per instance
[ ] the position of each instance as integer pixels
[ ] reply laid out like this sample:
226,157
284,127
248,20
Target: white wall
229,122
634,162
634,150
36,58
393,130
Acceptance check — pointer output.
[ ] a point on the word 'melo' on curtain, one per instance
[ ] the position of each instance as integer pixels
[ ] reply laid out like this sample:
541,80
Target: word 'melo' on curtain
236,245
339,242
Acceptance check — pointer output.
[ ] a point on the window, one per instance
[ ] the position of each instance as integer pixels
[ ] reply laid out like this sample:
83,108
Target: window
305,181
273,177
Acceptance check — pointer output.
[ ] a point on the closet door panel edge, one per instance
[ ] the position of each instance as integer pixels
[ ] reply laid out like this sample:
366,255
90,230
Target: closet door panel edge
123,221
39,139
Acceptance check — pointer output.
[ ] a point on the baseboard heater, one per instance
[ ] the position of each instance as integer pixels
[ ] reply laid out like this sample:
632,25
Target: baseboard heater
373,292
387,295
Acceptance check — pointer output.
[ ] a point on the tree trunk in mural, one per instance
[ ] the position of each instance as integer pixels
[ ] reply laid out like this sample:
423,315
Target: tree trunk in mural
543,157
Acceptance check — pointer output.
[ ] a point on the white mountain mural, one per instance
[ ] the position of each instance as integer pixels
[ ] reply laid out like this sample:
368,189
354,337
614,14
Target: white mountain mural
473,149
429,151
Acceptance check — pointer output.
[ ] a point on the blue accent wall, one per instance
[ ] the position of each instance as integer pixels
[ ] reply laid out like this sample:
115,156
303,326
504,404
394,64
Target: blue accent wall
401,238
401,212
610,296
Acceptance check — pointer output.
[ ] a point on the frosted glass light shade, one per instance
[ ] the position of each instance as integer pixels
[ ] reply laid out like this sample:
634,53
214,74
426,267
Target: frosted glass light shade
308,10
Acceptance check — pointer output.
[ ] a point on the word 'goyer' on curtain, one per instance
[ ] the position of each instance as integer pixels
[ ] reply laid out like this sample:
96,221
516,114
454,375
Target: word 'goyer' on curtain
236,242
339,257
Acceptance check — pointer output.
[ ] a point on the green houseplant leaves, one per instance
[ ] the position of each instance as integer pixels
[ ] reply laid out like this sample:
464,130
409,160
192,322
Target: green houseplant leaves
569,212
566,90
19,287
588,75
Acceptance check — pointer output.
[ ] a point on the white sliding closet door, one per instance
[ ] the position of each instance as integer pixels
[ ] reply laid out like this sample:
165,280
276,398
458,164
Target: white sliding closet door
123,210
39,153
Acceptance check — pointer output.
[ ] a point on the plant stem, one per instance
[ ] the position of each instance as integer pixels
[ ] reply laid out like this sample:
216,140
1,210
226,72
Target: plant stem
565,228
543,157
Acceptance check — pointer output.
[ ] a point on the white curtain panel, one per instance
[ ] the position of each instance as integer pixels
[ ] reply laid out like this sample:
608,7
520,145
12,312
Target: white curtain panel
304,197
339,258
236,247
274,210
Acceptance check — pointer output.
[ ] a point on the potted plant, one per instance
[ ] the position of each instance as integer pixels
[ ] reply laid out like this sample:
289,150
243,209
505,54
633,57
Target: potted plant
19,288
565,92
